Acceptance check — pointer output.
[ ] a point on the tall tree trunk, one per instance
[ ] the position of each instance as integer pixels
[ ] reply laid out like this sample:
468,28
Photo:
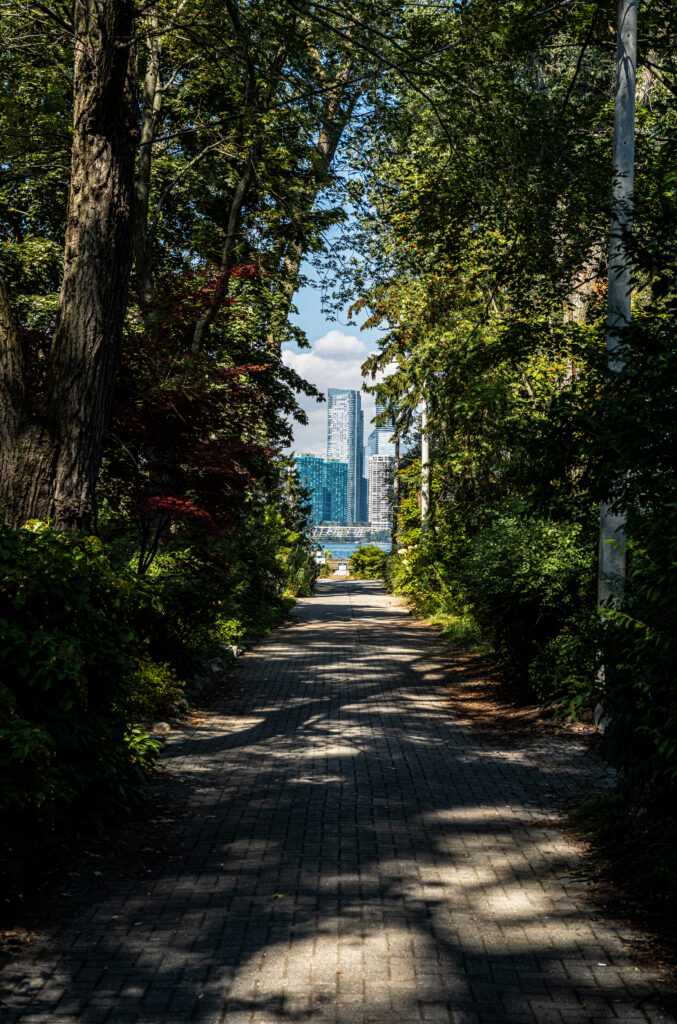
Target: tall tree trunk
611,574
51,458
150,113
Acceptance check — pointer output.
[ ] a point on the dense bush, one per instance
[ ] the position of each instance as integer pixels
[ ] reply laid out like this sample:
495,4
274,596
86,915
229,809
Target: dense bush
565,674
211,593
154,690
427,576
368,563
518,579
525,578
301,570
90,650
640,647
66,664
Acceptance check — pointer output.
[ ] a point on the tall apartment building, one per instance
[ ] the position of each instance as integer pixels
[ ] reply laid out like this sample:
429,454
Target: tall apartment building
380,440
380,481
336,484
327,481
380,443
345,443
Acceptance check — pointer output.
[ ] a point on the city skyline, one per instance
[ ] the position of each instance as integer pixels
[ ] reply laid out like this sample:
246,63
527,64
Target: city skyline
348,482
333,361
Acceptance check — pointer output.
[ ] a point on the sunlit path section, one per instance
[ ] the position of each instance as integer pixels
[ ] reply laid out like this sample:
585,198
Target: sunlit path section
348,854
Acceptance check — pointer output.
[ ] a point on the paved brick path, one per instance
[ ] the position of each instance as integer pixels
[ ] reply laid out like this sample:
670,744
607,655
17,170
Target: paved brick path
342,851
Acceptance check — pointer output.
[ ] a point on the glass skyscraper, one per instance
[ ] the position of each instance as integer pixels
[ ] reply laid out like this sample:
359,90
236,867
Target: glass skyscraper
312,474
345,442
380,440
336,483
327,481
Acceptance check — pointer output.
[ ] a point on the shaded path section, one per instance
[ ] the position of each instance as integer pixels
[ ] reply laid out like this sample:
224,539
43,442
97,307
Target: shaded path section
344,852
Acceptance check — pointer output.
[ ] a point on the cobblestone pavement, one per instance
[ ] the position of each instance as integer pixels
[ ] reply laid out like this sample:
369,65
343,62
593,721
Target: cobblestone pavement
342,851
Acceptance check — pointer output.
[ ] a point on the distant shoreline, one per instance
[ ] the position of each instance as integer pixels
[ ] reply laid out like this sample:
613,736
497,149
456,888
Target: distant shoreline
350,540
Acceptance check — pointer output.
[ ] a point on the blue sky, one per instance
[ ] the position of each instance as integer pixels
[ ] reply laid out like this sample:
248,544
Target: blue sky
337,351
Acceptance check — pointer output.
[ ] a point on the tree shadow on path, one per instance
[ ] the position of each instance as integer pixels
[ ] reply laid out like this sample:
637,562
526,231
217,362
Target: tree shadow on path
348,853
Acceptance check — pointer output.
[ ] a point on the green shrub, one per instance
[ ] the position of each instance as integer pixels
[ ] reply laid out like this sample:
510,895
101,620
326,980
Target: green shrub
208,595
460,631
565,672
300,570
143,748
426,572
224,631
368,563
65,661
525,578
154,690
640,653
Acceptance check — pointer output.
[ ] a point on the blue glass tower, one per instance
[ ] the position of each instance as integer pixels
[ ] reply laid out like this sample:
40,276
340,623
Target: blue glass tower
327,481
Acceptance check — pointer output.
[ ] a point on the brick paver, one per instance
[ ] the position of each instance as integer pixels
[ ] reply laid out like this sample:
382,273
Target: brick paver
342,851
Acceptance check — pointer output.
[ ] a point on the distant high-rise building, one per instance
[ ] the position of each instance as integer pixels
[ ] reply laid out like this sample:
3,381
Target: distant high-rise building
345,442
380,505
327,481
312,475
380,440
336,483
364,500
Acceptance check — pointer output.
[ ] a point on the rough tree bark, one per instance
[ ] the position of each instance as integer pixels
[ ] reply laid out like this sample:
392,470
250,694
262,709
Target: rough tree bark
51,455
611,573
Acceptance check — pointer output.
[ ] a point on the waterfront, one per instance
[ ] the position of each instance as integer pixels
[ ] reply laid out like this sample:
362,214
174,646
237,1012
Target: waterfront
344,549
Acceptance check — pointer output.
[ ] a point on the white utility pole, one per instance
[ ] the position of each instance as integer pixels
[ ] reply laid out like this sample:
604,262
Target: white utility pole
611,574
425,469
396,492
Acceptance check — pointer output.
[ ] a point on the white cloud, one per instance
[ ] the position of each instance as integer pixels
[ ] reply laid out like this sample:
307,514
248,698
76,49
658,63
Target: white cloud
337,345
334,361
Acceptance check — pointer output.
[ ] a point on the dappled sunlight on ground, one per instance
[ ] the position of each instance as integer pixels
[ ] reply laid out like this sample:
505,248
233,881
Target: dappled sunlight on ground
344,851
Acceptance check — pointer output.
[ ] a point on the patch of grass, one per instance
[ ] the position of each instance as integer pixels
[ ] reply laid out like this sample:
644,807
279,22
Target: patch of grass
460,631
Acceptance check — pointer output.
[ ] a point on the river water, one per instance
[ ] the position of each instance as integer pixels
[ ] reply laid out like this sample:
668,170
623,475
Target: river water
345,548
